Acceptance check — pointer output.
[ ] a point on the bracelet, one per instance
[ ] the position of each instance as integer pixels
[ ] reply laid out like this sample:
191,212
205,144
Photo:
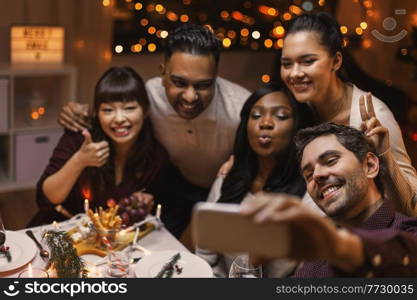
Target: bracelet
385,152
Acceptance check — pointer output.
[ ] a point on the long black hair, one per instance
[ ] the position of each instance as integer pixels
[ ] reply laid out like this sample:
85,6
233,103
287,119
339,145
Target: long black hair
285,177
123,84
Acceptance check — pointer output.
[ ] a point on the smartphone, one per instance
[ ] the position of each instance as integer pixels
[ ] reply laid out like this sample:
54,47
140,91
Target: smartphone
220,227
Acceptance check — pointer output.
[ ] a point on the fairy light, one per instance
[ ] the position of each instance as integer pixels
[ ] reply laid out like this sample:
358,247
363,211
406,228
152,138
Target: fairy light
280,43
224,14
367,4
268,43
164,34
244,32
151,47
137,48
172,16
287,16
144,22
231,34
142,41
278,31
150,7
118,49
268,11
34,115
237,15
226,42
138,6
159,8
265,78
343,29
404,52
106,3
41,110
322,2
184,18
295,9
151,30
363,25
256,34
359,31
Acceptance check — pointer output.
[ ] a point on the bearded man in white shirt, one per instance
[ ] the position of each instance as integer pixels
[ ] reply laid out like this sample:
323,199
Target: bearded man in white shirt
194,113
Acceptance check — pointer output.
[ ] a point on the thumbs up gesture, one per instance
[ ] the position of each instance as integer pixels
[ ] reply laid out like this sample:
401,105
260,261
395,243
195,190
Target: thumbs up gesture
93,154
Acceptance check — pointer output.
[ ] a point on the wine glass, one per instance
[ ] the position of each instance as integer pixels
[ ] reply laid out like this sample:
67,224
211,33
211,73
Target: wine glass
2,233
242,268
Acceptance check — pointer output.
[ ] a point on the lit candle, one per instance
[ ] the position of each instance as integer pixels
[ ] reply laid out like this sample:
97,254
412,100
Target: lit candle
86,206
55,224
158,211
30,271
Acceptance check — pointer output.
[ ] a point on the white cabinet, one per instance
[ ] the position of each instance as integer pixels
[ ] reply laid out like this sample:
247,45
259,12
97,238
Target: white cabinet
30,100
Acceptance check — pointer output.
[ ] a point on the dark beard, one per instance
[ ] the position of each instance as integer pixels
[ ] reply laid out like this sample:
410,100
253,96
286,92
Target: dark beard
356,190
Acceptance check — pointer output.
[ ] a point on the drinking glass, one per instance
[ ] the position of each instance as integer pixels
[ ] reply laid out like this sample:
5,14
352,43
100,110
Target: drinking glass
2,233
118,263
242,268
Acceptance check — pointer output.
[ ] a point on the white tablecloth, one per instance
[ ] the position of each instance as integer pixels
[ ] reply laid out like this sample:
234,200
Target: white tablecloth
157,240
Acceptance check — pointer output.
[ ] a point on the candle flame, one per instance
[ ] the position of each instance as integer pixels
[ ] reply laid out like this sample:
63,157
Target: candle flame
86,191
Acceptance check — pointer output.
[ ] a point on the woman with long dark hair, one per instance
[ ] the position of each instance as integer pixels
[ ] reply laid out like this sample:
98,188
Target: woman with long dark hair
311,65
119,156
264,158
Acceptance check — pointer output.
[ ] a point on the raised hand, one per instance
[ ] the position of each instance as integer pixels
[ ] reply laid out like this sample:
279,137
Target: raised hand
312,236
371,126
92,154
74,116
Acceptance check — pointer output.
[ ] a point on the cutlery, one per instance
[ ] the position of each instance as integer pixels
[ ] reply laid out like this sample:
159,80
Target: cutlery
132,261
42,252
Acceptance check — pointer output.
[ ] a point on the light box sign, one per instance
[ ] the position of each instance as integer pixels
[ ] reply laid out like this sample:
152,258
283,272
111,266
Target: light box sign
37,44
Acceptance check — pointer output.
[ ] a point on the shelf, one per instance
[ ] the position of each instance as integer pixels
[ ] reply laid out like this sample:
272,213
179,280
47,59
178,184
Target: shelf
30,99
37,128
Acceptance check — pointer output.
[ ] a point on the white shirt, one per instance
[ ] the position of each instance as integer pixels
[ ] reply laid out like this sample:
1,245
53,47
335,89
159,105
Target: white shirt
198,147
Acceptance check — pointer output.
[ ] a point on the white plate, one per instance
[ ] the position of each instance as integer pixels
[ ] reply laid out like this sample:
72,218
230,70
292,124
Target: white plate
192,265
22,249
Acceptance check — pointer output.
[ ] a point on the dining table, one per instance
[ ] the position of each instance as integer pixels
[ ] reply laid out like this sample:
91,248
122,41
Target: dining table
160,239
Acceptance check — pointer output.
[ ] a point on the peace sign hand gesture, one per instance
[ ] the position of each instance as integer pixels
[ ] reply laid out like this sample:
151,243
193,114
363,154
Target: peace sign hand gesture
371,126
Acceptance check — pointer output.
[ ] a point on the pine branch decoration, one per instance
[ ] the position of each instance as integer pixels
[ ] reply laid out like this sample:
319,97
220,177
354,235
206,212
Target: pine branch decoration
64,256
168,269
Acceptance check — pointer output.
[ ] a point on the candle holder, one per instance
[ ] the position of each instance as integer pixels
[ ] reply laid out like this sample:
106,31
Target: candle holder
33,273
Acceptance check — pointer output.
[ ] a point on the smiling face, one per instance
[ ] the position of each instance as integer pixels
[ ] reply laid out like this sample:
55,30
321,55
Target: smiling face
307,67
121,121
189,82
270,125
336,180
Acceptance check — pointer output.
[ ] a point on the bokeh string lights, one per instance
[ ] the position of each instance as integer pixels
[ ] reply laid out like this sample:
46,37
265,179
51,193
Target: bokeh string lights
249,24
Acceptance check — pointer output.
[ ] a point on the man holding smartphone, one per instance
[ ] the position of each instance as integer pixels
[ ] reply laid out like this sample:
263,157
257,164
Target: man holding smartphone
364,236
